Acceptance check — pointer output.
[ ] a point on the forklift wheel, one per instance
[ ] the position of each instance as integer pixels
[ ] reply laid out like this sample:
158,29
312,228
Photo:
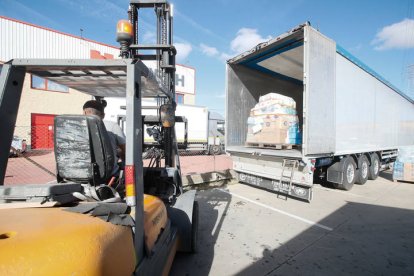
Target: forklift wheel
214,150
194,229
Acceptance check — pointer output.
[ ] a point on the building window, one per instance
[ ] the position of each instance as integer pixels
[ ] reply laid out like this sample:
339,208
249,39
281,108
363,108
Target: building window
44,84
180,98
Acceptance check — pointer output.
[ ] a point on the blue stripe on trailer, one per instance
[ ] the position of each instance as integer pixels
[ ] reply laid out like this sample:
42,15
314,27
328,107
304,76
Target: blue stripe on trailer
286,46
340,50
270,72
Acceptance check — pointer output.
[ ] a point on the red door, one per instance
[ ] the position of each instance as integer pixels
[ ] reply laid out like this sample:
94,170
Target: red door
42,131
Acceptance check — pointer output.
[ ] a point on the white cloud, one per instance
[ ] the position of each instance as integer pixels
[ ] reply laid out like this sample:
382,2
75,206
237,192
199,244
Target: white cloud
183,50
395,36
245,39
209,51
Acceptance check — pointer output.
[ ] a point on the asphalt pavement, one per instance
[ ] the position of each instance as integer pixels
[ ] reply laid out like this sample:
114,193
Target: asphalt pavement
248,231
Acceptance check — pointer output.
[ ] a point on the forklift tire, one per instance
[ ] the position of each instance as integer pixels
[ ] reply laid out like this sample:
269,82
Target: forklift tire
363,170
374,168
215,150
194,229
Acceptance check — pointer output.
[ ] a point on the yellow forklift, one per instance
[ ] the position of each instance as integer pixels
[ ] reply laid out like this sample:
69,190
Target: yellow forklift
97,220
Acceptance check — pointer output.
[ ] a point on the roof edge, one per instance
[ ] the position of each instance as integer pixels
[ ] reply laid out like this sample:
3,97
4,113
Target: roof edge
55,31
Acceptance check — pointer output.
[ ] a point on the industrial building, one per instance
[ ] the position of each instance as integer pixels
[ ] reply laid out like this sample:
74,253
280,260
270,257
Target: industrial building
41,99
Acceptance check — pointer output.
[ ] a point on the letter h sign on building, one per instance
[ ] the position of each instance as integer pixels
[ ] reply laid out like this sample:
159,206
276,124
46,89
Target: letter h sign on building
184,77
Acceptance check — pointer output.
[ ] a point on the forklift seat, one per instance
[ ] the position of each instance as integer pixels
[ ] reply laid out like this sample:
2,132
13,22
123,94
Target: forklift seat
83,150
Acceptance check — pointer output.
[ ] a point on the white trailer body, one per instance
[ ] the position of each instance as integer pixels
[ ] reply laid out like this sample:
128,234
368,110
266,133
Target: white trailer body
345,110
199,133
197,118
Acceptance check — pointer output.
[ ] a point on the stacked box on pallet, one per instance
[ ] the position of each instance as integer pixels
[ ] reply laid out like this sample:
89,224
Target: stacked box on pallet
273,120
404,165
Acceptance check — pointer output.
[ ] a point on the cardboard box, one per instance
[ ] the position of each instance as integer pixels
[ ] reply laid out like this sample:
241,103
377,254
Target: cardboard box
403,171
273,129
403,168
274,137
408,172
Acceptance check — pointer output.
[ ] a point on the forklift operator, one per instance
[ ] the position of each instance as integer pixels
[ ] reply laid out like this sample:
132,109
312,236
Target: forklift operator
116,135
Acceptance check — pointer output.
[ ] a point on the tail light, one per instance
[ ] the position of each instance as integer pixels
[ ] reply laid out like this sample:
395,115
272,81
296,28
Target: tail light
130,185
313,162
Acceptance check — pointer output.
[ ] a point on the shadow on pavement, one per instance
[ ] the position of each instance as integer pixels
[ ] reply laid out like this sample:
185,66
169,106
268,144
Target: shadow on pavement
366,240
210,223
34,152
386,175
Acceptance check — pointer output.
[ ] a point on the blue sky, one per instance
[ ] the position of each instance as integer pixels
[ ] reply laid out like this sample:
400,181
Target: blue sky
380,33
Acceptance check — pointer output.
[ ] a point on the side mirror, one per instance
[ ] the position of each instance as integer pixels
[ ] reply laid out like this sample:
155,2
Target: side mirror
167,114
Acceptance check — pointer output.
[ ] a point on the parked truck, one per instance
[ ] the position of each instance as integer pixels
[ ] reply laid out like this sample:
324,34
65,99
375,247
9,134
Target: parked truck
351,119
200,130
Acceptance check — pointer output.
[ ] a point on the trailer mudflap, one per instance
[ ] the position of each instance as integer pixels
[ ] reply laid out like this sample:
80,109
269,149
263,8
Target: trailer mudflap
335,172
297,191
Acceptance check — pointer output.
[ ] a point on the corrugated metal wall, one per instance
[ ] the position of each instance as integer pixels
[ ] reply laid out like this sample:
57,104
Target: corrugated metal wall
20,40
23,40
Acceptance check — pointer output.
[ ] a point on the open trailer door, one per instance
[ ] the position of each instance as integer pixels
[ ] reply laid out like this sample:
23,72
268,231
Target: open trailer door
319,84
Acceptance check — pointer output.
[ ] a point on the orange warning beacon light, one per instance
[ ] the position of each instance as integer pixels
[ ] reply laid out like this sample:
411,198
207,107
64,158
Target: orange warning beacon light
124,31
125,36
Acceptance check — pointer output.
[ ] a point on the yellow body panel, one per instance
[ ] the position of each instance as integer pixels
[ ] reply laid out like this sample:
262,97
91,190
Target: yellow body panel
51,241
155,219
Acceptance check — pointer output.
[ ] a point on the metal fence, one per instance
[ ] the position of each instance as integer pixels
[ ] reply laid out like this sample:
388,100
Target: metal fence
32,159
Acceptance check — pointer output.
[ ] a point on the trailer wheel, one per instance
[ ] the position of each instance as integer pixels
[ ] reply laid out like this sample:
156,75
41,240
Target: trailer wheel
194,228
374,168
349,173
363,170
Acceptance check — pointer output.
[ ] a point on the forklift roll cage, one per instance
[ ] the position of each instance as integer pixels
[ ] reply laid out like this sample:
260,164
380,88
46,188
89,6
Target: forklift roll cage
128,77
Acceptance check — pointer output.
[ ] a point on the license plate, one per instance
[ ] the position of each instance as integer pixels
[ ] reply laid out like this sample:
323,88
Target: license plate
296,191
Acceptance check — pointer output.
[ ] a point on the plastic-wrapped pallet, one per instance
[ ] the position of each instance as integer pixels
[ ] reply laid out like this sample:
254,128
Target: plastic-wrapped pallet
274,103
404,165
273,120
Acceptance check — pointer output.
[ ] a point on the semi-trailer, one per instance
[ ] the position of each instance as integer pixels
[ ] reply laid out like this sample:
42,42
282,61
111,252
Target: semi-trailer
352,120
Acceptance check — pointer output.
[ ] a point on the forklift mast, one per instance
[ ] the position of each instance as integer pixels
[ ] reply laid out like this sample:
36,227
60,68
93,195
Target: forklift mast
164,57
164,178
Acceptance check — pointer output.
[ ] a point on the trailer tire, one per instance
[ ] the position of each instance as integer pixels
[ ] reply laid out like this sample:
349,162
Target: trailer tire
349,173
363,170
374,168
194,228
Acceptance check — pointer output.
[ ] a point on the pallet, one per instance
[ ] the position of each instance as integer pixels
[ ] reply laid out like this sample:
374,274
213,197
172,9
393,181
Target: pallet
270,145
408,181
